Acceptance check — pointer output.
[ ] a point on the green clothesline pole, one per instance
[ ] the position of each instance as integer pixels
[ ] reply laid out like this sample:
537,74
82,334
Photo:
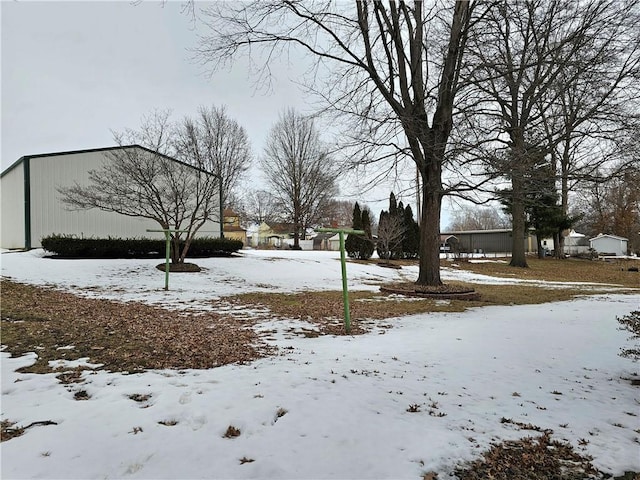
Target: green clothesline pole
167,236
343,262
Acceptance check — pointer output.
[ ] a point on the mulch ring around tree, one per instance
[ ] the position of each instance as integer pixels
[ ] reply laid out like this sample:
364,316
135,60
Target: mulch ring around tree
179,267
444,292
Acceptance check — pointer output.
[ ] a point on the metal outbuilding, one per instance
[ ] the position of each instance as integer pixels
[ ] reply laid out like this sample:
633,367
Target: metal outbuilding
606,244
497,241
31,206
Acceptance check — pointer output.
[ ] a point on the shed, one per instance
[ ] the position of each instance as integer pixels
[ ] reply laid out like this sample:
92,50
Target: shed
32,208
322,241
448,243
606,244
498,241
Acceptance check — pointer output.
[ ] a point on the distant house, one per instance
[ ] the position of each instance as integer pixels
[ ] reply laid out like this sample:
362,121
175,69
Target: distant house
274,235
231,226
32,208
574,243
609,245
323,241
330,240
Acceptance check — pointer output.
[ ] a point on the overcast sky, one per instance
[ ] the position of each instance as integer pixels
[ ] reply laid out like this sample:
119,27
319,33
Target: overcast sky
74,71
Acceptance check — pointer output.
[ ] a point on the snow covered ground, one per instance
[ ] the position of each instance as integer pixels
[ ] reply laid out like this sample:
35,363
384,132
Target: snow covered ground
325,407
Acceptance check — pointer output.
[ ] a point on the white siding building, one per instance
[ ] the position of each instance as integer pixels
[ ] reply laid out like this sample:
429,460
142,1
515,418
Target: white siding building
609,245
31,206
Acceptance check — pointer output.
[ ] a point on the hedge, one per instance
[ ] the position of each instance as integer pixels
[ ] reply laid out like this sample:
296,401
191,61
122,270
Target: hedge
69,246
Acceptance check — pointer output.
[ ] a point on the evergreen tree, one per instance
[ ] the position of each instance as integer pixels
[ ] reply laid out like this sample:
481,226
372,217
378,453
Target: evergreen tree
382,246
393,204
541,208
411,240
352,243
367,242
360,246
398,212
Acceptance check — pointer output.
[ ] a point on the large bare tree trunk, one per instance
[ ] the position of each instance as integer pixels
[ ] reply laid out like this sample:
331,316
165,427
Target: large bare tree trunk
429,273
518,258
393,71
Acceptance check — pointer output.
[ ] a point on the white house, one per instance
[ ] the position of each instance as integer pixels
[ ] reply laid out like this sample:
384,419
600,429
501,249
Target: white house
574,243
32,208
609,245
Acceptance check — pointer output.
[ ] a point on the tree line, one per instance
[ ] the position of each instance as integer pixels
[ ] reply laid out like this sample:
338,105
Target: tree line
484,97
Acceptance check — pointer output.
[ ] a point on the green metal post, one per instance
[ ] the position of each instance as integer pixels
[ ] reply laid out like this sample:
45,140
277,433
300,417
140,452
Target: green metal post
343,262
345,291
167,236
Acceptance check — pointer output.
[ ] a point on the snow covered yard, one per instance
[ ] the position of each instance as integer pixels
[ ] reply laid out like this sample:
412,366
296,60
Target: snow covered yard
432,391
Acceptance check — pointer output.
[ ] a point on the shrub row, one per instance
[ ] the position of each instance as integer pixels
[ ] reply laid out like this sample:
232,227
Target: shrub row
68,246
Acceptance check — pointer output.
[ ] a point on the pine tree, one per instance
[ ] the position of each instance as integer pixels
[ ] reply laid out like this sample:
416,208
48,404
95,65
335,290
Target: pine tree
382,247
411,241
367,242
393,204
352,243
397,210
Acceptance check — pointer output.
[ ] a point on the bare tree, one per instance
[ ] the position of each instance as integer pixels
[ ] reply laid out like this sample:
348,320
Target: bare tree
260,206
613,207
399,93
543,71
477,218
215,143
391,232
299,171
338,213
141,181
594,111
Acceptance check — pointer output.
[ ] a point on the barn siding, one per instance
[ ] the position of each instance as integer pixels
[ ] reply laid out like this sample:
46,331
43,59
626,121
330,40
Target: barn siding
490,241
13,212
49,215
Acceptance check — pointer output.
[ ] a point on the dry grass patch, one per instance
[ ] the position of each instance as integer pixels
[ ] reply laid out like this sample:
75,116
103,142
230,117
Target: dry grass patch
121,336
523,294
232,432
539,458
568,270
8,430
326,308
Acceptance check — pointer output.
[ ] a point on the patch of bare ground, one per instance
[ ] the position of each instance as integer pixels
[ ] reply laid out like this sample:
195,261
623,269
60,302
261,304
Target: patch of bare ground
120,336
